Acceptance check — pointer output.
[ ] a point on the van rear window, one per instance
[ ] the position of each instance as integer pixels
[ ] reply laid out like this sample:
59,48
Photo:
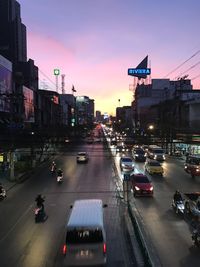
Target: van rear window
84,236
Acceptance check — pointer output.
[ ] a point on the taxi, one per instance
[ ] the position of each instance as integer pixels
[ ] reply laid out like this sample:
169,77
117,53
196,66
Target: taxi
154,167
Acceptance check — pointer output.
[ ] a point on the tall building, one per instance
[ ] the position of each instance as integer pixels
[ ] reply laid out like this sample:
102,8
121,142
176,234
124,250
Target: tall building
68,103
12,32
13,46
85,110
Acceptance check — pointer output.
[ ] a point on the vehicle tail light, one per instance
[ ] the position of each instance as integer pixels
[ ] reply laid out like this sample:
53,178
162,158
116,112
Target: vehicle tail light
104,248
64,249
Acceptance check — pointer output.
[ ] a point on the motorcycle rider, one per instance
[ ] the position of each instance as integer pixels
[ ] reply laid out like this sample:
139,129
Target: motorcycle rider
177,198
196,233
60,173
53,166
1,188
39,201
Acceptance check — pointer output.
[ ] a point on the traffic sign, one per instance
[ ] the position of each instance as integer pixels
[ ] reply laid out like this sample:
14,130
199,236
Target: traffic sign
127,177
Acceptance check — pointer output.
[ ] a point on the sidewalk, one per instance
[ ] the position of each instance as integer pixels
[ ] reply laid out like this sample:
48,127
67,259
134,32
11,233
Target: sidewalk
4,180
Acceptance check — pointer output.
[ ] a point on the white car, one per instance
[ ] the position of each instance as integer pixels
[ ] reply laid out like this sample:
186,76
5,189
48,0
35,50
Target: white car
82,157
126,164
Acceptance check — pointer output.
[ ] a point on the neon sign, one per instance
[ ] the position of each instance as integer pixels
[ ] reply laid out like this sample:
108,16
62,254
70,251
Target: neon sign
135,72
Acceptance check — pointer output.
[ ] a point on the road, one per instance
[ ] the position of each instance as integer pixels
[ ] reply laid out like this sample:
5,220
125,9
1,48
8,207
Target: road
24,243
169,234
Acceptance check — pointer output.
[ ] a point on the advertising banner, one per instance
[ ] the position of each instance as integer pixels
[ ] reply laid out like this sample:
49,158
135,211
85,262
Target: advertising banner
28,105
5,84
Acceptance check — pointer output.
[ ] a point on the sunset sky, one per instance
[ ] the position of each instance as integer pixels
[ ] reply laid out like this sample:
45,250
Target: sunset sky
94,42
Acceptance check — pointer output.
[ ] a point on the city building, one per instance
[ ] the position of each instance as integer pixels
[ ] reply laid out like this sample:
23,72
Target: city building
68,103
85,110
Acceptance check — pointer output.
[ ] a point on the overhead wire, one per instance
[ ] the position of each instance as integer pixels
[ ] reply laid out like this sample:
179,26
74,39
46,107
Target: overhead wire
192,67
183,63
47,78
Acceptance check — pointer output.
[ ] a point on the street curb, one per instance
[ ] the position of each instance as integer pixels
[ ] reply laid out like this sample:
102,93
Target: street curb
134,243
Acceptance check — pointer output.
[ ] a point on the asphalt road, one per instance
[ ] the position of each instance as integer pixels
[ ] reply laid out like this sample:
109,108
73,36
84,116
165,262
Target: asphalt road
169,234
23,243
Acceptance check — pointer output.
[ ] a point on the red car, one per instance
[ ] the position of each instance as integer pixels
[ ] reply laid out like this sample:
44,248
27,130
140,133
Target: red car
141,185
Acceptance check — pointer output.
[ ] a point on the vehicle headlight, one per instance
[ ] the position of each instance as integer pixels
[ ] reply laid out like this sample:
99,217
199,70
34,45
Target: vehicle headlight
185,167
155,157
163,156
132,165
151,188
197,170
123,165
136,155
137,188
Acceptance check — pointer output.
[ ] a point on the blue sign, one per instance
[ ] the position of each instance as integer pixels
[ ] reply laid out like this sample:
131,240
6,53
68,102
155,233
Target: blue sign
127,177
138,72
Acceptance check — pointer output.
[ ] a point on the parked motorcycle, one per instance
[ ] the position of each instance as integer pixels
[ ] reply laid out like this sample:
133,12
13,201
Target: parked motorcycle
40,215
3,194
178,206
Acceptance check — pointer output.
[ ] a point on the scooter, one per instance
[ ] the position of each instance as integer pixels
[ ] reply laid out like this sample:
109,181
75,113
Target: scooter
59,179
178,207
40,215
3,194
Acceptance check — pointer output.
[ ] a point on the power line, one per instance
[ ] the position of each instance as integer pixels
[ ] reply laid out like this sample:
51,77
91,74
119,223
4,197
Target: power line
47,77
192,67
196,77
196,53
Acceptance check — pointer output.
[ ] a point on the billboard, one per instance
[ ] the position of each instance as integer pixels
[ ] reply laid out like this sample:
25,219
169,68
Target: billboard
28,105
5,84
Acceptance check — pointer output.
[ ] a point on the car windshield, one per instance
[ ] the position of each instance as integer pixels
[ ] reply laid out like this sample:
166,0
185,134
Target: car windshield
84,236
158,151
154,164
126,160
141,179
193,160
82,154
139,151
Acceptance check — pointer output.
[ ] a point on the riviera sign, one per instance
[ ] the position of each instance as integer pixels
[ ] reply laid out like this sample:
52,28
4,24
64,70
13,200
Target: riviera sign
135,72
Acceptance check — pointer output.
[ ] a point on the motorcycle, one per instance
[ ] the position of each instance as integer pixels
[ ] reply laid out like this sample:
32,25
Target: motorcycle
196,238
40,215
178,206
3,194
59,179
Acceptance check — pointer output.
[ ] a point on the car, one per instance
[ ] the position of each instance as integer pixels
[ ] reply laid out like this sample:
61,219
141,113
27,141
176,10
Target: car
82,157
126,164
156,152
120,148
89,140
192,165
154,167
141,185
139,154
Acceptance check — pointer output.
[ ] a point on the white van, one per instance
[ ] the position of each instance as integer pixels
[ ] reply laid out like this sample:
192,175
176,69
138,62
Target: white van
85,242
156,152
